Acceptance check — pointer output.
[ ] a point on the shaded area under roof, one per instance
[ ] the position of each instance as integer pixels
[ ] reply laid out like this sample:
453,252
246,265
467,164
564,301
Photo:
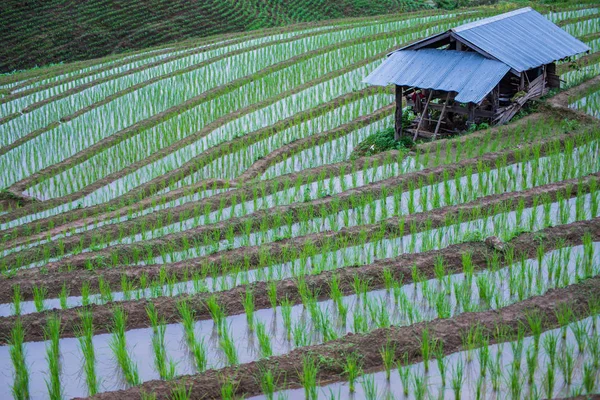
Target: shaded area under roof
469,74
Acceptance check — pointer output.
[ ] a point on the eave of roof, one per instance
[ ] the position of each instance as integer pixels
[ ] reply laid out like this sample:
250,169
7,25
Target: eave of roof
468,74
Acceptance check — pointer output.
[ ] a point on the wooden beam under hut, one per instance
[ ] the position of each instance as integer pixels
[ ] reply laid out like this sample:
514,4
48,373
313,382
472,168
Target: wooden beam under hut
423,115
398,115
437,127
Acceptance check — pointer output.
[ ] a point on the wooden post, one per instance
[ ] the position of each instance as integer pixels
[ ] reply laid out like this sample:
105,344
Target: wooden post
522,83
398,116
471,118
423,115
437,127
543,79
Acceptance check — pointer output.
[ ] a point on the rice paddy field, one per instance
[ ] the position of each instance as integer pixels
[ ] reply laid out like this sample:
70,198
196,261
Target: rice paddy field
193,223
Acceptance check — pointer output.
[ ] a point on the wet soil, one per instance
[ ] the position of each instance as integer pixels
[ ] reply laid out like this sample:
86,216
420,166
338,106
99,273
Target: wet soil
71,272
260,166
525,245
193,102
177,240
159,183
405,340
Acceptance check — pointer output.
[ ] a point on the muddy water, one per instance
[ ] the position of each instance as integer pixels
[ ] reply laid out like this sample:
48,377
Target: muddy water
140,346
483,184
337,150
355,255
502,354
590,104
173,203
583,159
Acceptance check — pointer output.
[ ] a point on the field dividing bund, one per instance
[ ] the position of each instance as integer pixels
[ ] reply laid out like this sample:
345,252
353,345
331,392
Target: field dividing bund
209,231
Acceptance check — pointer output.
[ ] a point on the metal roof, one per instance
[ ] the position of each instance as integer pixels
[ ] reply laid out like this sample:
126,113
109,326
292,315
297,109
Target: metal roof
469,74
523,39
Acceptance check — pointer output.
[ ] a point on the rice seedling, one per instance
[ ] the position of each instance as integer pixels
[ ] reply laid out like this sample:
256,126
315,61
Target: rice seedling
369,387
228,388
264,340
267,383
17,300
228,346
427,343
308,376
388,353
164,366
118,346
39,294
352,369
589,378
20,387
179,391
566,363
457,378
52,334
85,333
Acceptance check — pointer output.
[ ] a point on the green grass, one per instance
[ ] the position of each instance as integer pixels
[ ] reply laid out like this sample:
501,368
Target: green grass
43,32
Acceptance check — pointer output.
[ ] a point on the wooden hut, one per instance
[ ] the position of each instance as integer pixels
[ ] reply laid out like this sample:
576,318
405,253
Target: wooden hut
483,71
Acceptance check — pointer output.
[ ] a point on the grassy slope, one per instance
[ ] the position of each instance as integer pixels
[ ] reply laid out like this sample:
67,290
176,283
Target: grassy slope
39,32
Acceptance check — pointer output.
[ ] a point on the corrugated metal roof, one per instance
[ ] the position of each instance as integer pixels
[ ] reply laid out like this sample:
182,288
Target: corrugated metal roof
523,39
469,74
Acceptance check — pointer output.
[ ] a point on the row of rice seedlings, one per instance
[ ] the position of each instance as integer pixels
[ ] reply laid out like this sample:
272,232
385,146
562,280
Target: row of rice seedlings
361,29
565,364
329,152
313,190
329,89
590,103
419,198
49,148
594,45
142,146
240,156
53,111
557,16
489,181
579,75
583,28
312,260
270,332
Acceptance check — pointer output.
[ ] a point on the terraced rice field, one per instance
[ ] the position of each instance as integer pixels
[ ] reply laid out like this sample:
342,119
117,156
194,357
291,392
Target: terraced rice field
191,223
